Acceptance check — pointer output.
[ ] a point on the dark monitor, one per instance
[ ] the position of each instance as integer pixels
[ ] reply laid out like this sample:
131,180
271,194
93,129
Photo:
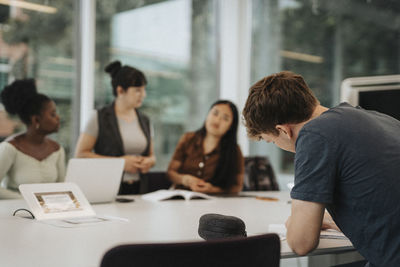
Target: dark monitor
379,93
384,101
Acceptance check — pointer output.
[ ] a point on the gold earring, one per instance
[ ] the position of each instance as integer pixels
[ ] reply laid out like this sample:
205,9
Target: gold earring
37,126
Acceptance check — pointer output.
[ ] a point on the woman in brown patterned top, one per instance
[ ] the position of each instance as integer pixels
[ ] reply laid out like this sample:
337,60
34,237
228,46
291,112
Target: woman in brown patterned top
209,160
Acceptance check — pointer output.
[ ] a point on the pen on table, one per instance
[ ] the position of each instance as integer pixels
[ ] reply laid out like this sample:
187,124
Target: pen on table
267,198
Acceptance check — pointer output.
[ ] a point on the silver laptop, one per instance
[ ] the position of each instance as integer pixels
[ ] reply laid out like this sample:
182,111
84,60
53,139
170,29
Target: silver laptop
99,178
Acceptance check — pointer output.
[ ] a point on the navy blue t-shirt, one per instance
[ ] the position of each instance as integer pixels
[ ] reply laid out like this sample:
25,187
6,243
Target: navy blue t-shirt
349,159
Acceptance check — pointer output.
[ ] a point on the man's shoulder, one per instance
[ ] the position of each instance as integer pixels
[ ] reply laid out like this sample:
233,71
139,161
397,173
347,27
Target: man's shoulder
329,122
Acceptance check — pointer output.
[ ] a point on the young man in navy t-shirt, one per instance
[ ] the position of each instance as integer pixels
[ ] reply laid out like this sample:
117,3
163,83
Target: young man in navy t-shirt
347,161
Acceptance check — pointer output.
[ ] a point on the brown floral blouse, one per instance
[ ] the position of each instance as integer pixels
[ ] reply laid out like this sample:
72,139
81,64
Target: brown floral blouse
189,152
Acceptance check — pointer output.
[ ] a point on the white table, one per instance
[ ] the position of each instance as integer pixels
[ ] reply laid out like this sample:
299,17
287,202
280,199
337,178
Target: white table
26,242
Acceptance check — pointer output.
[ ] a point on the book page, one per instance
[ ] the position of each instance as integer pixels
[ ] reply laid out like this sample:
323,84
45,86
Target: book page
280,229
83,221
196,195
162,194
174,194
332,234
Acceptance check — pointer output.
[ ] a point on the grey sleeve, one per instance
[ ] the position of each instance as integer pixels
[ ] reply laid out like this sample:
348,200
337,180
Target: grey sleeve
315,169
92,125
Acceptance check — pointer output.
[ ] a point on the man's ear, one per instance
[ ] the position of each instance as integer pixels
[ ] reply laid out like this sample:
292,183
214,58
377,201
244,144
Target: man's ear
285,129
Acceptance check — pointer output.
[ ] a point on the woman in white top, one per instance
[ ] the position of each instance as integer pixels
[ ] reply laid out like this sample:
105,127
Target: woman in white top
30,157
121,130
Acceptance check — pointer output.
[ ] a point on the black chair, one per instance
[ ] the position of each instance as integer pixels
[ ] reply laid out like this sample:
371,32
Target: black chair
153,181
259,174
255,251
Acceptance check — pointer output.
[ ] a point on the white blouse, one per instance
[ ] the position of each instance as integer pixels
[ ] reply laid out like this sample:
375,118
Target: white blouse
18,168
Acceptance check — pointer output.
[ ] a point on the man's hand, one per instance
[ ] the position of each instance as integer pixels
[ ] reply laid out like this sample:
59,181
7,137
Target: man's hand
328,223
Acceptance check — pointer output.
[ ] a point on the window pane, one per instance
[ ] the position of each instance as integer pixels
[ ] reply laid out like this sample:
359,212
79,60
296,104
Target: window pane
174,44
326,42
39,44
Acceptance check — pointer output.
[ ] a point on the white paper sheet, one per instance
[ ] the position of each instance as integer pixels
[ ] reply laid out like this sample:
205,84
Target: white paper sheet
83,221
280,229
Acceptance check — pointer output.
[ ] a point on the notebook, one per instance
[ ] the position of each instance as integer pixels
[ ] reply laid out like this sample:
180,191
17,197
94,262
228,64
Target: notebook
98,178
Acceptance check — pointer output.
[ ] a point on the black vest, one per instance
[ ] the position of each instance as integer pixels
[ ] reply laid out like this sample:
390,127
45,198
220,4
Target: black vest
109,141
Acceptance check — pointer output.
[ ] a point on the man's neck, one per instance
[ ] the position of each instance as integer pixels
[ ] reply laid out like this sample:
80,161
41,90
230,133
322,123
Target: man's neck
316,113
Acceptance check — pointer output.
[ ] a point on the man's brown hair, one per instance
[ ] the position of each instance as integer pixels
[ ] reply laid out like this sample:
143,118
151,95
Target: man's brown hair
280,98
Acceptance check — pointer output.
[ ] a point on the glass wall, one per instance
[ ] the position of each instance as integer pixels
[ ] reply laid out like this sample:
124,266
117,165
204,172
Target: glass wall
38,42
174,44
326,42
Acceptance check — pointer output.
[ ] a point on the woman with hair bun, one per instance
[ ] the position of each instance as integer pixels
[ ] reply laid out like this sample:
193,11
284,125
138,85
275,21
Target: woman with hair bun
30,157
120,129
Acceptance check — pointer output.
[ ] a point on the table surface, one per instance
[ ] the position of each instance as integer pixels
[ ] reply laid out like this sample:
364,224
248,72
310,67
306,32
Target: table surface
25,241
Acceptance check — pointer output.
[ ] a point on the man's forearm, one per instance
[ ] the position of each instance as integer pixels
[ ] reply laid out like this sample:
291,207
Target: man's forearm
304,226
298,239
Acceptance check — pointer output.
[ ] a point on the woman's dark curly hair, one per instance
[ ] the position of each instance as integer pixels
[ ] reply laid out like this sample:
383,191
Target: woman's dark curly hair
21,98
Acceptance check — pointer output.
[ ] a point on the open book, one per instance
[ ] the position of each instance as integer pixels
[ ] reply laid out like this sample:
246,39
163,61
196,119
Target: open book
332,234
174,194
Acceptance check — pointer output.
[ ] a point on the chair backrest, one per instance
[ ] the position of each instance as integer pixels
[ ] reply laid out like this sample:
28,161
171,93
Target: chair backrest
259,174
154,181
255,251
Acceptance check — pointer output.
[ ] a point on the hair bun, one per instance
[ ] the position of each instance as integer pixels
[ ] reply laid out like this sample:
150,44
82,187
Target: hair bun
16,95
113,67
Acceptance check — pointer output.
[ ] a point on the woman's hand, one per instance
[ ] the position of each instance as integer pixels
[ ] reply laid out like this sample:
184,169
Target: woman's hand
132,163
199,185
205,187
146,164
191,181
